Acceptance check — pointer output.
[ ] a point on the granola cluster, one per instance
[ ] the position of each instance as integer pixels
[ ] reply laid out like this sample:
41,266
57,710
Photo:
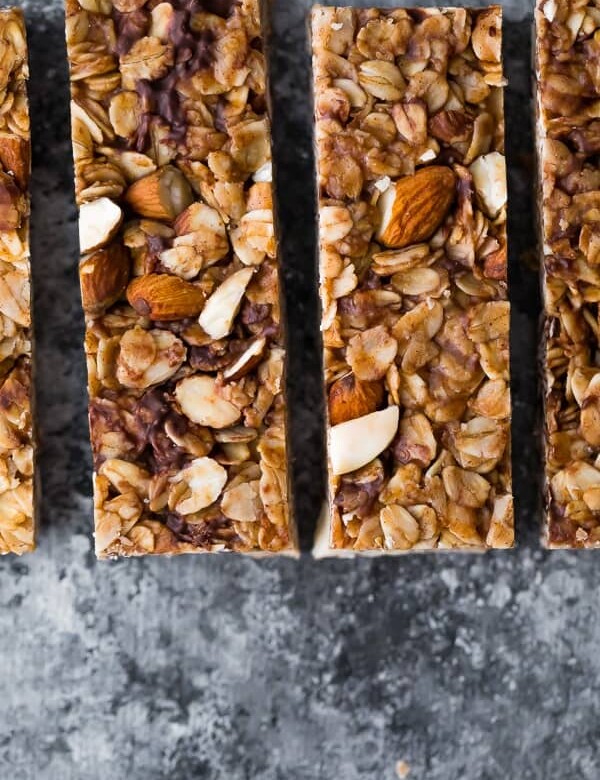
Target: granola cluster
412,184
568,80
179,276
17,515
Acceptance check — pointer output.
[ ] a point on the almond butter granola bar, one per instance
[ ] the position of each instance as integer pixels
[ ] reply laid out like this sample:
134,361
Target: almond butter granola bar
415,317
17,445
179,276
568,136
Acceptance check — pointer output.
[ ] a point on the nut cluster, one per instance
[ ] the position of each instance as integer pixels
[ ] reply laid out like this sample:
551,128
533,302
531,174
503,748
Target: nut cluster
179,276
412,184
17,528
568,47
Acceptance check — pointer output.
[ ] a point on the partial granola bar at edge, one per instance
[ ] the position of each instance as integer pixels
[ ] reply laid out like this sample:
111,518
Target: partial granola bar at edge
413,258
179,276
567,50
17,444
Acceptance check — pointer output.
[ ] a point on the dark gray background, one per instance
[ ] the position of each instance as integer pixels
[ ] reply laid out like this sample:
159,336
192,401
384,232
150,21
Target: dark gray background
464,667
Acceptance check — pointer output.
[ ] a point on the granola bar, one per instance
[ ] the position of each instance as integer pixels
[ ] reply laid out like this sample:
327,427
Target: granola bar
568,132
17,446
413,255
179,276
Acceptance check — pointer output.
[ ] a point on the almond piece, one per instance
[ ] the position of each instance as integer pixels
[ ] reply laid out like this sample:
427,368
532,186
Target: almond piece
350,398
162,195
103,277
201,403
12,203
15,157
162,19
98,224
357,442
413,208
489,180
247,361
165,297
223,305
486,38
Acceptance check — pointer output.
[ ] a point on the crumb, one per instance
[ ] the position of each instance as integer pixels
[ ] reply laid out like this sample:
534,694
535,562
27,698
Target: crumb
402,769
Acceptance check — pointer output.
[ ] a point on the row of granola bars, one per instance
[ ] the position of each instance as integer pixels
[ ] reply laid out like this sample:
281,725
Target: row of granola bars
180,277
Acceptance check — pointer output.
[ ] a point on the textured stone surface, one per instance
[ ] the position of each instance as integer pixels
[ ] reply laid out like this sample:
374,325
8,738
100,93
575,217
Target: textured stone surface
465,667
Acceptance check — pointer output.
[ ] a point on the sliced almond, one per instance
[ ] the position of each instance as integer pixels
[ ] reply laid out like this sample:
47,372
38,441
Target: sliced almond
357,442
486,37
162,19
489,179
247,361
99,221
413,208
104,276
203,482
220,310
200,401
162,195
163,297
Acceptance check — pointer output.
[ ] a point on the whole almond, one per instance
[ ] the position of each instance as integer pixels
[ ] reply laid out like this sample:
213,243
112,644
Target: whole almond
415,206
161,195
162,297
350,398
104,276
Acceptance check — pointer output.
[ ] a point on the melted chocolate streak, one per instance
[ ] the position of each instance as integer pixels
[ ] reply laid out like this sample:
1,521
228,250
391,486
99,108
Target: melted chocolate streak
193,52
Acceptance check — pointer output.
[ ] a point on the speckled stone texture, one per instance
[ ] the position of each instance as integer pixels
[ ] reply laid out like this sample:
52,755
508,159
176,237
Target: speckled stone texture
464,667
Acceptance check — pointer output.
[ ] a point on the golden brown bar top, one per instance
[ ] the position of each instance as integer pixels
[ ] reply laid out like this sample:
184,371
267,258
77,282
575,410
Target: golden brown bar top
412,187
180,276
568,133
17,445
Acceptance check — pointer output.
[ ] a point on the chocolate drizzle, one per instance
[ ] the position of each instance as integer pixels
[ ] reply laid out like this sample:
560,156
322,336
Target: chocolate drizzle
193,52
130,28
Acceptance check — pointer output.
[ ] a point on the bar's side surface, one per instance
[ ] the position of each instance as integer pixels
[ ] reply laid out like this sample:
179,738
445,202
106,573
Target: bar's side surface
568,131
413,259
17,446
179,277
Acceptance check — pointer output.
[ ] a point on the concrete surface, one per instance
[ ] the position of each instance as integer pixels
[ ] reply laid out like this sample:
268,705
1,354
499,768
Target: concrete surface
464,667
